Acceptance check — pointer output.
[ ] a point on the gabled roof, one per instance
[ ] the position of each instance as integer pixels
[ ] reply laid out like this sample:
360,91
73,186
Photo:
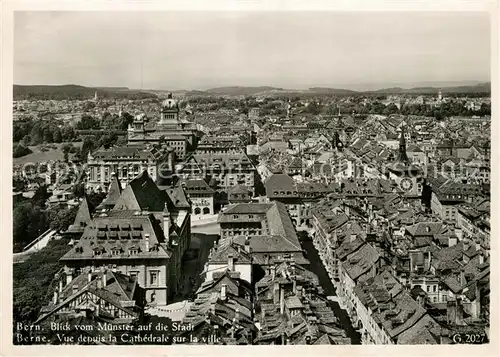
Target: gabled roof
283,182
125,229
83,214
361,261
114,192
238,189
141,194
119,289
425,229
227,247
413,148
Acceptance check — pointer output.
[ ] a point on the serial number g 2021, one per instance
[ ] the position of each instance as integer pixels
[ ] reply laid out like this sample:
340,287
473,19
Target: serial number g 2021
469,338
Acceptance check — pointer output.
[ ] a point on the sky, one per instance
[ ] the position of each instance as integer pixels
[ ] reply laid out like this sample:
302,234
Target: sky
201,50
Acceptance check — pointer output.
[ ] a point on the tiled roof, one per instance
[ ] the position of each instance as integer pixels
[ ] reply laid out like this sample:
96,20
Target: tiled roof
122,152
360,261
118,289
83,216
413,148
114,236
247,208
197,185
424,229
420,332
176,197
406,313
114,193
226,247
141,194
238,189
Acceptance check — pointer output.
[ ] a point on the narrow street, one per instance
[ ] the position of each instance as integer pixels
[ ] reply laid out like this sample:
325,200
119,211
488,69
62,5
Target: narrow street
317,268
193,264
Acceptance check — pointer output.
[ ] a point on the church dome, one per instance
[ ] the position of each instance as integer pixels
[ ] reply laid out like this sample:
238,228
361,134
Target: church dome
170,103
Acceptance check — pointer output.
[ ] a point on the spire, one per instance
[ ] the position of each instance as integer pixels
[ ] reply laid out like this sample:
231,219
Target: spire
83,215
114,192
402,157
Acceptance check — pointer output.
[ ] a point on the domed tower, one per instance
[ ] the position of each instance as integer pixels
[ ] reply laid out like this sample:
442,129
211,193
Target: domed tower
169,111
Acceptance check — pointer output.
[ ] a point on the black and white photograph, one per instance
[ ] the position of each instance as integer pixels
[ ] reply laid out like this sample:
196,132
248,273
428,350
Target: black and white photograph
251,178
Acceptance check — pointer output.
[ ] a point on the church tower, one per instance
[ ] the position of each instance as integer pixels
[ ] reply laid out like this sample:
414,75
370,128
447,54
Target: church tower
402,157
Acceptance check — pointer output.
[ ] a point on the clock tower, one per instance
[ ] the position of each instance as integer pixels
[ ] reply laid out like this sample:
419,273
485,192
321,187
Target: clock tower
407,177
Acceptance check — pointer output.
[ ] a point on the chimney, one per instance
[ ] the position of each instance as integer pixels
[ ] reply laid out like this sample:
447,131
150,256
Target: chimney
104,278
237,315
166,223
247,246
294,282
466,245
266,259
452,241
353,237
273,271
146,242
223,294
481,258
230,262
89,276
60,286
56,297
69,277
478,247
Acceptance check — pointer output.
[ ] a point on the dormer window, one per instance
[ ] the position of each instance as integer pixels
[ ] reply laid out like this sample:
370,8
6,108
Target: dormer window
133,251
98,251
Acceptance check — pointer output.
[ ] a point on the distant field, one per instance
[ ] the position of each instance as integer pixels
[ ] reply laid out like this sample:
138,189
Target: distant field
43,156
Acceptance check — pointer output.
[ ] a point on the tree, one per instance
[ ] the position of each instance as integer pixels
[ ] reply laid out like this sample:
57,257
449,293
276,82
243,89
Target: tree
41,195
26,140
391,109
108,140
67,133
61,219
57,135
29,222
87,123
79,190
18,184
21,150
125,120
36,134
32,279
87,146
48,136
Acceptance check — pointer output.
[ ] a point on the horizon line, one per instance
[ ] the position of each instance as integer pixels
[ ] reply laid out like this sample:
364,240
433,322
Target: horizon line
401,85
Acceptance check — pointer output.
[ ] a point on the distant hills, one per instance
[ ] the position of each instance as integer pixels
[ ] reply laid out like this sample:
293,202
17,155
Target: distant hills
73,91
477,88
81,92
242,90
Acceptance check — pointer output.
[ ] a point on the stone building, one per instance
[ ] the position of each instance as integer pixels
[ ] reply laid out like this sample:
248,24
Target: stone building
144,235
